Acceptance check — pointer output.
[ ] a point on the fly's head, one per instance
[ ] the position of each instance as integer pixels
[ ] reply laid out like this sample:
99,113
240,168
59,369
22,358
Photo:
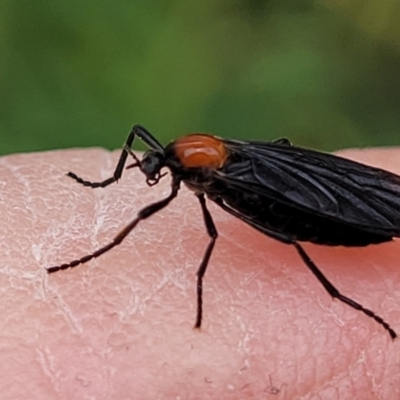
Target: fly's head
151,164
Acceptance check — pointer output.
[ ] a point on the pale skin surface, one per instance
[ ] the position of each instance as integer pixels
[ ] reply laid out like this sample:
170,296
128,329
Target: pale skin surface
121,326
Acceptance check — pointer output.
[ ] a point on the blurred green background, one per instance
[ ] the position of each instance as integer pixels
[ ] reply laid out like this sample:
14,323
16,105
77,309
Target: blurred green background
326,74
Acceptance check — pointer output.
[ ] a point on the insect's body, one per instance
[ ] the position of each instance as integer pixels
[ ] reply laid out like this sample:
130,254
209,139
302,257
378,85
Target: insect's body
269,211
288,193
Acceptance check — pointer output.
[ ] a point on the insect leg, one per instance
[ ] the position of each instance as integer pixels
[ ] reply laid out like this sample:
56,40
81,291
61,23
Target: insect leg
142,214
119,168
212,232
311,266
142,134
336,294
283,142
145,136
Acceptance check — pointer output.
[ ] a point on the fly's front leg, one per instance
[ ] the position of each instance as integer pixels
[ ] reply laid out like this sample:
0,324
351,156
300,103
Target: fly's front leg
127,149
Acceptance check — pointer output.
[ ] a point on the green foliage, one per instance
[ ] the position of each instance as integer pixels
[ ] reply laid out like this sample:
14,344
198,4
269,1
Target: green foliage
76,73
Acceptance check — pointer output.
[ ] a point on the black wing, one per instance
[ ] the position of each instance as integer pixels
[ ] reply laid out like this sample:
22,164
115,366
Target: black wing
326,185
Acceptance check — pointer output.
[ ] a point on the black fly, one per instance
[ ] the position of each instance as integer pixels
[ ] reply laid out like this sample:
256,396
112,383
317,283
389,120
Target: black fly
288,193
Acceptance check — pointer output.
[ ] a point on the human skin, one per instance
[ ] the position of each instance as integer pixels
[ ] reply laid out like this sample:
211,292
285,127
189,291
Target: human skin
121,326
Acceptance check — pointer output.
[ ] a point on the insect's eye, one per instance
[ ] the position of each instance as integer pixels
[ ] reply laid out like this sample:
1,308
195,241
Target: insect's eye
151,163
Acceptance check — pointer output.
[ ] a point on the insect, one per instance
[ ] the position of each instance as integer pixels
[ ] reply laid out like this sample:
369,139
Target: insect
289,193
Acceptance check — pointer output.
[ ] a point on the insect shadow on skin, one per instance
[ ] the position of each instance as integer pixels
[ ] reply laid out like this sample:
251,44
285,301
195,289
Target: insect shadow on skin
288,193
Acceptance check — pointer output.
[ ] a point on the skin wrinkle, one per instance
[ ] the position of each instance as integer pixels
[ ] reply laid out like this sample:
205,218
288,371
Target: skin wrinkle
286,326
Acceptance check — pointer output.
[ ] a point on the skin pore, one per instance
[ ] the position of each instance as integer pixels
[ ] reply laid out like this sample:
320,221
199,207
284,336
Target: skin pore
121,326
